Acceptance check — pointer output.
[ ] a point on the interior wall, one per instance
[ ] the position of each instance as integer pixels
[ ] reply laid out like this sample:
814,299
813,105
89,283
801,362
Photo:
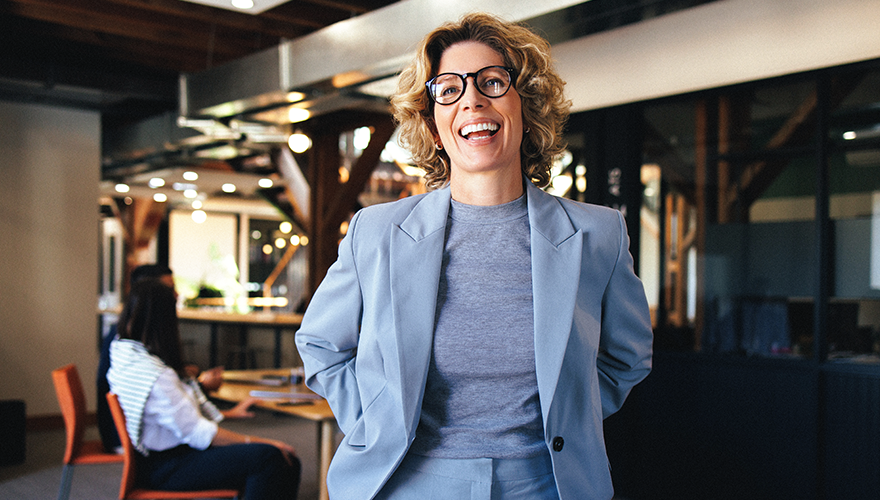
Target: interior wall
50,171
714,45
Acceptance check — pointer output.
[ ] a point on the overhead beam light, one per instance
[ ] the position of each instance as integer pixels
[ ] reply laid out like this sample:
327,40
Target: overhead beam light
296,115
252,7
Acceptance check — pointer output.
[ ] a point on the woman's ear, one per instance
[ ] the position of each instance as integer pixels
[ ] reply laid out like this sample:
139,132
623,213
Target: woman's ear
432,128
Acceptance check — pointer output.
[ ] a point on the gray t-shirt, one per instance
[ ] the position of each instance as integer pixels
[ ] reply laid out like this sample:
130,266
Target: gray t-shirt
481,398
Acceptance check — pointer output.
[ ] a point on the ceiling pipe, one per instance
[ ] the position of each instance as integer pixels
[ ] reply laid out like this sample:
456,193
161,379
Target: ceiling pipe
340,57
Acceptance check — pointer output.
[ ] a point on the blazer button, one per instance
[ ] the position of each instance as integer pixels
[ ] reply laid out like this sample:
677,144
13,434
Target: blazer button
558,443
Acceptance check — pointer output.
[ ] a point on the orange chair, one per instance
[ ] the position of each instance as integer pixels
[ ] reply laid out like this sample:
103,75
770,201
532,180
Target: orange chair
127,490
72,400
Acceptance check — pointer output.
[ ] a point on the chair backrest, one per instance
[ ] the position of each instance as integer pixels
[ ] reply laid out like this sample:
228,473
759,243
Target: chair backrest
129,471
72,400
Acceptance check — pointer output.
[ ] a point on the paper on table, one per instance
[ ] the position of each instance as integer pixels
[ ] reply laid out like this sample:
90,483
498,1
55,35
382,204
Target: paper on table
264,380
283,395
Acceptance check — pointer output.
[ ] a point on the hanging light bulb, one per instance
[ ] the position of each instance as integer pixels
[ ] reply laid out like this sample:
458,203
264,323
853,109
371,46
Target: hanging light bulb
299,142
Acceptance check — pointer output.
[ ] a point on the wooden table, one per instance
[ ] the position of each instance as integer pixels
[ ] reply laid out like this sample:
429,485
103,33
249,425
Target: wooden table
238,385
277,321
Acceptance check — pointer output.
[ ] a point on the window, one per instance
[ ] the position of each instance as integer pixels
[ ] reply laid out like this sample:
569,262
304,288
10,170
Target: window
854,210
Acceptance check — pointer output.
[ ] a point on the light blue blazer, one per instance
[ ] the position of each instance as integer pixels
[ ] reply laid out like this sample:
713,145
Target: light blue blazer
366,337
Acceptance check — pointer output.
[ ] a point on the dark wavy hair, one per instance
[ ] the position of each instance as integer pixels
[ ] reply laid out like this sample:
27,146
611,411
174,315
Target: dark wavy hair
150,317
545,109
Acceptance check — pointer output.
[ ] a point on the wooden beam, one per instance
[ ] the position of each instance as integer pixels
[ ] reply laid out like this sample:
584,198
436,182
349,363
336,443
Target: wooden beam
733,123
324,161
289,27
341,6
703,142
331,200
382,129
107,18
798,129
323,12
140,219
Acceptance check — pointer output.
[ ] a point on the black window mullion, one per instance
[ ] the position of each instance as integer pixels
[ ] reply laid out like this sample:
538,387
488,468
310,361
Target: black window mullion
824,237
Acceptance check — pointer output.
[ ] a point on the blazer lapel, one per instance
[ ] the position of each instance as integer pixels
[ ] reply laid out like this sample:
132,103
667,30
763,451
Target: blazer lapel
556,264
416,257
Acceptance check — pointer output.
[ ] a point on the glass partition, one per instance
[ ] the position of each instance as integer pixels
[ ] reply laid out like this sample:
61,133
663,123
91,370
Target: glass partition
758,226
735,218
854,210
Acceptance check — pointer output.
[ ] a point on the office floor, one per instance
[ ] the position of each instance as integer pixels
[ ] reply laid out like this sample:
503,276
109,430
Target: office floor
40,475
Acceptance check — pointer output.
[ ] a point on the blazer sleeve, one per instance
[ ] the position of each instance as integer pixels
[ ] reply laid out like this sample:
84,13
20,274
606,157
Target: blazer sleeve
625,345
328,337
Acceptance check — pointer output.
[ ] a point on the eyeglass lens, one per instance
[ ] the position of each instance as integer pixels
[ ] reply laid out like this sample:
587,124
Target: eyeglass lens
447,88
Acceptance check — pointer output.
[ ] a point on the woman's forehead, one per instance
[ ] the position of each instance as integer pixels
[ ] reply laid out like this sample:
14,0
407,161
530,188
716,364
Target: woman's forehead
467,57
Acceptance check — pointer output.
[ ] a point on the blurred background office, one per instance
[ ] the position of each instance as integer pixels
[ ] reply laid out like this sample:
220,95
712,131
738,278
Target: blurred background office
740,138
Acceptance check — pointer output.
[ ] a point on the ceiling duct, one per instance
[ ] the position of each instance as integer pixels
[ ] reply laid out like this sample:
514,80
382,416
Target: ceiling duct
244,105
327,70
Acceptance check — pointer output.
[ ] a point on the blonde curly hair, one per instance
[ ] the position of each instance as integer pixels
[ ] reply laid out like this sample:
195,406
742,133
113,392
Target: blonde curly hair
544,107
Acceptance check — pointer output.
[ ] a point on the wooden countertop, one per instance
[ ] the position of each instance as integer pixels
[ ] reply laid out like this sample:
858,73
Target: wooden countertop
214,316
254,318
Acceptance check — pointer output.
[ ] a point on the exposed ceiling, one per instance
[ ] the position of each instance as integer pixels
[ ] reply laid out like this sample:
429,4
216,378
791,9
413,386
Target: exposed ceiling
123,57
163,73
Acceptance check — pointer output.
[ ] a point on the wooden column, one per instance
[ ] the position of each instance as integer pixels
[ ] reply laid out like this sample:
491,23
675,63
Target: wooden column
323,178
704,143
140,221
332,201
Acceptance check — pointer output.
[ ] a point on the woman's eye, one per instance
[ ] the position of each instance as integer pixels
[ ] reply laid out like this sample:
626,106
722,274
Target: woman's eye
493,83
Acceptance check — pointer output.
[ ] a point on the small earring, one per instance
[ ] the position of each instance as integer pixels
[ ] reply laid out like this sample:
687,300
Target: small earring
438,146
528,130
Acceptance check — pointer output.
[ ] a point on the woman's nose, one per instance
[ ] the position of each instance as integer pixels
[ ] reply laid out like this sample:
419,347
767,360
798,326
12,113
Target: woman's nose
472,97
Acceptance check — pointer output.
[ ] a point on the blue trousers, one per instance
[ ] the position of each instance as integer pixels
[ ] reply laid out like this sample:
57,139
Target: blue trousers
259,470
426,478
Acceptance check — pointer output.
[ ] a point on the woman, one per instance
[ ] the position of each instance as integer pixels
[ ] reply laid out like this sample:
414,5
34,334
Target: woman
171,422
470,341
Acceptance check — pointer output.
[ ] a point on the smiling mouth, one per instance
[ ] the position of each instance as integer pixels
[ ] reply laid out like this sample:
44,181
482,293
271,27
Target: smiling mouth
479,130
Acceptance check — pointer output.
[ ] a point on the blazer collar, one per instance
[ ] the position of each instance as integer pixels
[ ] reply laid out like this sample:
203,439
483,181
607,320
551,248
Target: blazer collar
416,250
428,215
556,262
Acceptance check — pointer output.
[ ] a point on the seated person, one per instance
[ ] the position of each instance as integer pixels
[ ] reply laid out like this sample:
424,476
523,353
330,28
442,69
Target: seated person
210,380
170,421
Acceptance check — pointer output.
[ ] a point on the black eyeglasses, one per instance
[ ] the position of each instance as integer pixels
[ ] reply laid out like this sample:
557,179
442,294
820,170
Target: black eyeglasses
491,81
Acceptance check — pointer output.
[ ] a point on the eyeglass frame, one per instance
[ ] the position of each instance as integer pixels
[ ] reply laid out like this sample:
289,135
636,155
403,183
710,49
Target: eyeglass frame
464,78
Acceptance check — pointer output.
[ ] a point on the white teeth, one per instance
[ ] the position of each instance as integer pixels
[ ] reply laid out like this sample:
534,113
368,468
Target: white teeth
478,127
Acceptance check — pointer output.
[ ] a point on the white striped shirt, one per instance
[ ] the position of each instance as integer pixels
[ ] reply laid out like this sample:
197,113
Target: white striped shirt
161,411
